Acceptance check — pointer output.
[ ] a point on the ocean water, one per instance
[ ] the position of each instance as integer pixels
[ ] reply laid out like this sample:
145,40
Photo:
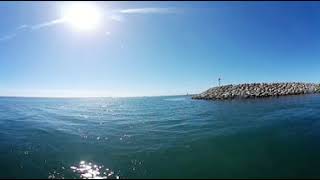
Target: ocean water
160,137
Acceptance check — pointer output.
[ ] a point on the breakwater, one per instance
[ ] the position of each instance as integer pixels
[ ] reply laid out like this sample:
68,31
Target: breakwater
257,90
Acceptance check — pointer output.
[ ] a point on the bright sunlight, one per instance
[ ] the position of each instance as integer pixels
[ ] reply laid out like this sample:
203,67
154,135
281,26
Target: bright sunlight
82,16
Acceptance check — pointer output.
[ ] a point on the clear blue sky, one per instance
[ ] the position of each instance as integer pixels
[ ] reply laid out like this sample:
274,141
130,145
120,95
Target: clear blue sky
157,48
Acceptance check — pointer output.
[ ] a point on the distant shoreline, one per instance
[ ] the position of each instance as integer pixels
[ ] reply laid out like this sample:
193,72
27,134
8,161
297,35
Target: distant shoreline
257,90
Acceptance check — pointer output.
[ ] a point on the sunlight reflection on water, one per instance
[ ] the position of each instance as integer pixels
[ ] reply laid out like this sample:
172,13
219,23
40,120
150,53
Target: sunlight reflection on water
88,170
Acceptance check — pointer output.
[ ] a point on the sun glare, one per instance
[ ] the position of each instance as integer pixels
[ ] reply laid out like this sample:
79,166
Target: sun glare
82,16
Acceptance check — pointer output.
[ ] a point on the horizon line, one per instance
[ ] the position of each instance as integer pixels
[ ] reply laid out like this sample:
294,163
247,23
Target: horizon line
85,97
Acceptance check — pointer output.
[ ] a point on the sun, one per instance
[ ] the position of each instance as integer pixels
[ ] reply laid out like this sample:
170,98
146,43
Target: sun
82,16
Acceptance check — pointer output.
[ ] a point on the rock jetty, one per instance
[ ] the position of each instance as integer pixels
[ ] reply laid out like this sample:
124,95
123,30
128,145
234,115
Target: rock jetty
257,90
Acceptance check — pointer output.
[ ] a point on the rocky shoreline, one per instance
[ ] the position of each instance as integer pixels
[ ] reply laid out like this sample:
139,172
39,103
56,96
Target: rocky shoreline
257,90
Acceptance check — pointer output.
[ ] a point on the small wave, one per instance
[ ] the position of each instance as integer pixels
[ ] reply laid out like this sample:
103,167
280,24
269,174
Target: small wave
175,99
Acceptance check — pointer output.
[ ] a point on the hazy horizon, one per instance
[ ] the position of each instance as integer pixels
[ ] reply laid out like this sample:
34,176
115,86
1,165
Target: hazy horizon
169,95
138,49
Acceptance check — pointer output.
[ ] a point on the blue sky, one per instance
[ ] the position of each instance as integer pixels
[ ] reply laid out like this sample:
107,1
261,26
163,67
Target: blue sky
156,48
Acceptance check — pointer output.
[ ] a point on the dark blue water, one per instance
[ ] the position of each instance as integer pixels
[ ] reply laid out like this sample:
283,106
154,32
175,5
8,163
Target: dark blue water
160,137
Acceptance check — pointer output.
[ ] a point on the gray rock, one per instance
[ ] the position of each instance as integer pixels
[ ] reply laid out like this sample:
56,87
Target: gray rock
255,90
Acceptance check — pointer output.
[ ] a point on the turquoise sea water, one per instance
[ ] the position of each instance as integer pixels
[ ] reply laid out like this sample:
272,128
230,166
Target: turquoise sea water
160,137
